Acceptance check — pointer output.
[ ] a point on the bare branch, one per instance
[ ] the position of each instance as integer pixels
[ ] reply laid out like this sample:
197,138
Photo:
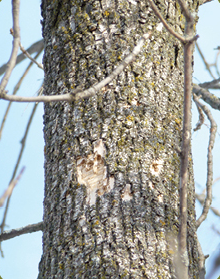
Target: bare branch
16,88
206,1
213,130
189,17
208,97
23,141
32,59
76,94
216,64
204,60
16,41
217,179
36,47
184,40
25,52
10,188
214,84
46,99
201,118
17,232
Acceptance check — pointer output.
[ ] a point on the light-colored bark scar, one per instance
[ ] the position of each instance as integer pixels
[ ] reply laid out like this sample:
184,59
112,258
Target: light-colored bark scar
156,167
92,172
127,196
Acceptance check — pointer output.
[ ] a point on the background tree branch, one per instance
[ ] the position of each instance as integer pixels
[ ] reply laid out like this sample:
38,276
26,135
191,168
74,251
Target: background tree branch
36,47
16,41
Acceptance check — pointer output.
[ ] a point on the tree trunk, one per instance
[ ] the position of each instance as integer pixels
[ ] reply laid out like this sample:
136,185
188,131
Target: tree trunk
111,207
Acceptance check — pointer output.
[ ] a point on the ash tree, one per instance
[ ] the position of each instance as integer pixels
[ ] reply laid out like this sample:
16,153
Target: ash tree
119,187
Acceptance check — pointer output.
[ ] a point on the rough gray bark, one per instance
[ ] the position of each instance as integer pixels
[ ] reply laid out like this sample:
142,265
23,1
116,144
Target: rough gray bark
111,207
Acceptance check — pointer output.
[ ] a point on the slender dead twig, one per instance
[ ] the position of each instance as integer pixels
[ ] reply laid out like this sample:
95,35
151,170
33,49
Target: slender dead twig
182,39
25,52
31,58
16,41
36,47
209,182
205,62
209,65
17,232
201,199
215,64
169,29
23,141
16,88
77,94
206,1
201,119
217,179
10,188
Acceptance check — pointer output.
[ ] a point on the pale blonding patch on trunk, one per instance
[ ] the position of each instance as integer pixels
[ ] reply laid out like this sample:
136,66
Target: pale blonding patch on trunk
92,172
127,195
156,167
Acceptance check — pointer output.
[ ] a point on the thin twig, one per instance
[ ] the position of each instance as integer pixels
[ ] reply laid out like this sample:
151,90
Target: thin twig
208,97
45,99
76,94
16,88
25,52
201,118
36,47
217,179
216,62
31,58
205,1
205,62
186,12
10,188
209,182
184,40
23,141
17,232
16,41
201,199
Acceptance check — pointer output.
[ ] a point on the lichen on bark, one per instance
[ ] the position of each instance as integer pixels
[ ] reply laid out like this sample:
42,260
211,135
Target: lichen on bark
127,231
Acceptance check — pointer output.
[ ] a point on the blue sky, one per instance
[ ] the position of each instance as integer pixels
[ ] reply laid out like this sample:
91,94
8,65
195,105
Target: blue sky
23,253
